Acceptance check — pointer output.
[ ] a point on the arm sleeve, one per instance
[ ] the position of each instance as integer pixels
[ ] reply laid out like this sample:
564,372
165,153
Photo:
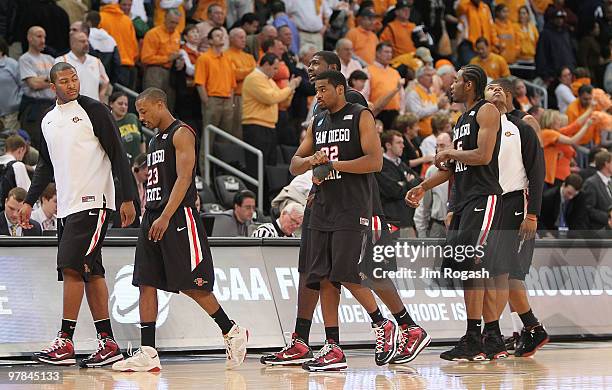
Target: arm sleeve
533,161
150,48
106,130
21,176
43,175
26,69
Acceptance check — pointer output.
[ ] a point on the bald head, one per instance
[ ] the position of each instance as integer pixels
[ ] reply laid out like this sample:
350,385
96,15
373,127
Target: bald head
237,38
268,32
36,39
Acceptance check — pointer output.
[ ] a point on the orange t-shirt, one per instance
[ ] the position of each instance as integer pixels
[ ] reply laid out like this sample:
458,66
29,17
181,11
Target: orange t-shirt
495,66
574,110
527,41
383,81
157,46
215,73
364,43
508,40
399,35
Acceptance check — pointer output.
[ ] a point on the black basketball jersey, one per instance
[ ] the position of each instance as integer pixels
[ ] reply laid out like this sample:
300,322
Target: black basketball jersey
343,201
473,181
161,161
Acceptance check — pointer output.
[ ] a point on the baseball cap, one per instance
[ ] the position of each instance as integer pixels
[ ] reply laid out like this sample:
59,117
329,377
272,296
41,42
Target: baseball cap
424,54
366,12
402,4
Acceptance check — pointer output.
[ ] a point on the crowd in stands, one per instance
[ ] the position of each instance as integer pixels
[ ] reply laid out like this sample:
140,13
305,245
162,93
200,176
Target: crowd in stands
242,67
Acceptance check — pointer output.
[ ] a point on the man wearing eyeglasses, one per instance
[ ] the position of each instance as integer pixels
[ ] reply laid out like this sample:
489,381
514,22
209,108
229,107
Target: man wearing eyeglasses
235,222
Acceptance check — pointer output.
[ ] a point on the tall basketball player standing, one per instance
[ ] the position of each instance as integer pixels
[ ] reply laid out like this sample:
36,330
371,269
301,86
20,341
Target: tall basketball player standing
172,253
476,203
81,147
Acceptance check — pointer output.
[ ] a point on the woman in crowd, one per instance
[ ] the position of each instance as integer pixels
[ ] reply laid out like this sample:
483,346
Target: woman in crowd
129,125
563,92
527,36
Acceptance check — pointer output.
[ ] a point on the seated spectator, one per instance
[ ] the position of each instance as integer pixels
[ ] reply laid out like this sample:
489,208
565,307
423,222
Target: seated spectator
506,33
129,125
363,38
394,181
13,172
590,170
423,102
290,220
563,92
408,125
92,75
399,32
235,222
45,214
494,64
9,221
430,215
598,191
559,206
10,89
556,139
527,36
348,65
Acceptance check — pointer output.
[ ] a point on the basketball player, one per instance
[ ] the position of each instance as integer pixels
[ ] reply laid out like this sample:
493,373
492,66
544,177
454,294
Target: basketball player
81,148
412,337
172,253
522,181
476,208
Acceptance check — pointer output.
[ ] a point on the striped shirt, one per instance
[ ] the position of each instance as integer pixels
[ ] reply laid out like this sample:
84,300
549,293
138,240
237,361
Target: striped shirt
270,230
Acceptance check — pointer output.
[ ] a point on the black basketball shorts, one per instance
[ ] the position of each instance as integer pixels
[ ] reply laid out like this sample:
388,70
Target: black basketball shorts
472,237
181,260
517,255
335,256
80,237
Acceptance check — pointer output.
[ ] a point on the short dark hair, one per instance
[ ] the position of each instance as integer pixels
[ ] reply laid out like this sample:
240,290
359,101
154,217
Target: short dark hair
357,75
14,142
593,152
242,195
60,66
601,159
154,94
248,18
382,45
587,88
267,44
438,122
4,48
210,7
334,77
268,59
276,7
116,95
387,137
499,8
330,58
481,40
49,192
210,33
282,27
188,28
573,180
506,85
17,193
93,18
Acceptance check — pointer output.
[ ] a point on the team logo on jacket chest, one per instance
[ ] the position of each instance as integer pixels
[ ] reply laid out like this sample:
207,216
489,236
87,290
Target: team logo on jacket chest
76,119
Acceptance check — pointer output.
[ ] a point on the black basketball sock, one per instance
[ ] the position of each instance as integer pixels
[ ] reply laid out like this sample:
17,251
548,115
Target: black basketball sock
403,318
332,334
492,327
302,329
473,326
103,328
376,316
529,319
222,320
147,334
68,327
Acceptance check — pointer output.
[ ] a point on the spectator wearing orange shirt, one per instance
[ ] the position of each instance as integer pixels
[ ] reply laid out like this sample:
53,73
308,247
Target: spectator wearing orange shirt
423,102
243,64
162,7
201,12
383,82
160,52
506,33
476,21
399,32
215,81
494,64
362,36
513,8
527,35
121,28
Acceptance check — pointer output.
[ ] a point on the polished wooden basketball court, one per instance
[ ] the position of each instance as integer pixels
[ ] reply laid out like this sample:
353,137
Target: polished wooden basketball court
558,366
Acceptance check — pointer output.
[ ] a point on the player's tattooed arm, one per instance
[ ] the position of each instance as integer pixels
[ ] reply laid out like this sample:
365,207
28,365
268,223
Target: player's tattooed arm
371,161
305,157
488,118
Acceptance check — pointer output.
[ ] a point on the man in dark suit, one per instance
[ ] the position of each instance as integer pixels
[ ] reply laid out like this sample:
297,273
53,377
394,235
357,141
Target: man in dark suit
9,221
563,207
590,170
394,181
598,190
